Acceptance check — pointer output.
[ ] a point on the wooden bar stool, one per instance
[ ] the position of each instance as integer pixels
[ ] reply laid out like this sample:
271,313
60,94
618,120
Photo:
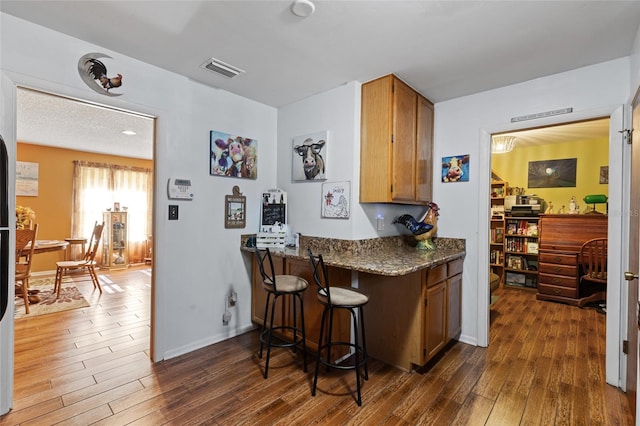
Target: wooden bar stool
333,298
277,286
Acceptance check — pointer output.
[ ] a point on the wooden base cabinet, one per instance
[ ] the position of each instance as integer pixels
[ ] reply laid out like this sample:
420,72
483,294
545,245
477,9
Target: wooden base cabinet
410,318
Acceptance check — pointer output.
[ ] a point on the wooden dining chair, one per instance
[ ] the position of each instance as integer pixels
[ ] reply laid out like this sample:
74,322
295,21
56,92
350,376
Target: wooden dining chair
24,256
85,265
593,271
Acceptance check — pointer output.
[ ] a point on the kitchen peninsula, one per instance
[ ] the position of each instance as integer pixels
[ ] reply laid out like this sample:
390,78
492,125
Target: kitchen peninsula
414,295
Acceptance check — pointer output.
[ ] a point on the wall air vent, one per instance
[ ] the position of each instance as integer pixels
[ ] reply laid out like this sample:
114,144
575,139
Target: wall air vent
220,67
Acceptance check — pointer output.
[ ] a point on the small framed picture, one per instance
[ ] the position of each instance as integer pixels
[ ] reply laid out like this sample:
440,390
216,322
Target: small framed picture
235,209
336,200
604,174
455,168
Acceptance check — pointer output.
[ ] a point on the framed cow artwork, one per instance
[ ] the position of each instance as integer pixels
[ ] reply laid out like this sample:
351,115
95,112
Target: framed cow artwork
309,157
232,155
455,168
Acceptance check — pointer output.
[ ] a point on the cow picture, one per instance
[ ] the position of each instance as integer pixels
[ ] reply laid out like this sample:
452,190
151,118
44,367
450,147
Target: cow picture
232,155
455,168
309,157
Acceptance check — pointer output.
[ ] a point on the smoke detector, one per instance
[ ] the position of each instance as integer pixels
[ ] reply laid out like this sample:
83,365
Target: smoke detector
222,68
302,8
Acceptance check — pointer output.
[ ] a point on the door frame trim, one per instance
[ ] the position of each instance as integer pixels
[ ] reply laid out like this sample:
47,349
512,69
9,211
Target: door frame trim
8,109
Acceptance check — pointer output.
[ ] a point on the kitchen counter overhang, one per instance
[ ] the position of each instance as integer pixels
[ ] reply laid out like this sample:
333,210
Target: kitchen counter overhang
391,256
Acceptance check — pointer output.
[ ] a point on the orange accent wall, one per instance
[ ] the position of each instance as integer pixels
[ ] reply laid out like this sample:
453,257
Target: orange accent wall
55,180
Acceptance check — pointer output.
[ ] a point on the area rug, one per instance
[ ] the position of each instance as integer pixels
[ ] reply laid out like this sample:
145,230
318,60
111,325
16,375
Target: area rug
70,298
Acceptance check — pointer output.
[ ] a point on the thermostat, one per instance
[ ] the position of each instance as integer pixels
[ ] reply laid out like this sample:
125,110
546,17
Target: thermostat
179,189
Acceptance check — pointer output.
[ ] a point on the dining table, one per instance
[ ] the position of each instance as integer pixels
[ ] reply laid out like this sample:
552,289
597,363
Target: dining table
45,246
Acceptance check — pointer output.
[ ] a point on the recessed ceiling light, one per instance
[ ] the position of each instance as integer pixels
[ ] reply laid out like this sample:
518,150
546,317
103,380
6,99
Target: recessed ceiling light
302,8
129,132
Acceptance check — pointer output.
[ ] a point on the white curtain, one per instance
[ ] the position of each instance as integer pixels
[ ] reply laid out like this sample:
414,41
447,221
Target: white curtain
97,186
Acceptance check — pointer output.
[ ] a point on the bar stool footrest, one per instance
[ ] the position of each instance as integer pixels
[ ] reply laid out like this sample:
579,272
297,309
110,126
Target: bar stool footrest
361,357
282,342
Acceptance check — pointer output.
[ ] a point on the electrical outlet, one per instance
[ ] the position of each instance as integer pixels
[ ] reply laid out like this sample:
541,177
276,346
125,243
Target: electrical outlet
233,299
226,317
173,212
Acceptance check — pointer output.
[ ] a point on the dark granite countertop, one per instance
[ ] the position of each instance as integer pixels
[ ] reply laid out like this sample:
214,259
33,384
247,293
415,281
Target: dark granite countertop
392,256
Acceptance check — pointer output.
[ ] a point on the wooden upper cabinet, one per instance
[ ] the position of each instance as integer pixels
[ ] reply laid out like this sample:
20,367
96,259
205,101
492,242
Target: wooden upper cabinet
397,142
424,150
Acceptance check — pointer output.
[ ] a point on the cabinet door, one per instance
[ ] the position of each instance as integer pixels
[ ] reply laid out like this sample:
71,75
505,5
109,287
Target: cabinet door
435,319
424,150
454,311
375,141
403,167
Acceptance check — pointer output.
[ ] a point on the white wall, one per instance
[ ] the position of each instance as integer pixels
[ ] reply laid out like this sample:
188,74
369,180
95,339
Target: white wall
459,124
197,260
635,65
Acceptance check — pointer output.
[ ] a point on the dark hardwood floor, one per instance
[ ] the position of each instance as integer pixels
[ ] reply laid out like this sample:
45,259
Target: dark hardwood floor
545,366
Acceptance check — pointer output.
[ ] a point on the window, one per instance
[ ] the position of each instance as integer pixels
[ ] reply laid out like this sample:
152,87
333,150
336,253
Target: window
97,186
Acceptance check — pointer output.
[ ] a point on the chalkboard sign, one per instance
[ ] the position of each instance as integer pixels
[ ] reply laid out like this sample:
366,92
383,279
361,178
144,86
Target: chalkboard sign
274,209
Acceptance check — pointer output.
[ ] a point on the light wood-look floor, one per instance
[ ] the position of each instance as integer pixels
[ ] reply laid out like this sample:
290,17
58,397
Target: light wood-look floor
545,365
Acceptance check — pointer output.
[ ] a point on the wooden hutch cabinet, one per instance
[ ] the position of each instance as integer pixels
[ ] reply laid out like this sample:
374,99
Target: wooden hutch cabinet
396,152
559,244
114,241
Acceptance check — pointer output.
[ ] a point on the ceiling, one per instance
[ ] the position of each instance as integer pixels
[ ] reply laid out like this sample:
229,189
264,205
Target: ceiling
49,120
443,49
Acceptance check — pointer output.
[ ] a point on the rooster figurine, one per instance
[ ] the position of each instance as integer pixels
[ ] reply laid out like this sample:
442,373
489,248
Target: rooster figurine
98,71
423,230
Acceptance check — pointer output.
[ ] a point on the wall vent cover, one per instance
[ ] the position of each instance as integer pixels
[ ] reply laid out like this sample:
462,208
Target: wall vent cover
222,68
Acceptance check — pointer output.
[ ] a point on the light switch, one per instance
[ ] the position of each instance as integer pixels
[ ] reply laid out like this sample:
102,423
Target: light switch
173,212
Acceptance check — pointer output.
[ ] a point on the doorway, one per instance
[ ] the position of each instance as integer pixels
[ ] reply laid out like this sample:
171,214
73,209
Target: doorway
578,155
65,130
615,359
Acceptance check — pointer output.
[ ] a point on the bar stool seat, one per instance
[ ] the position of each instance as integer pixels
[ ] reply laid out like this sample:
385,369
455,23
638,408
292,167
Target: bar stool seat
333,298
277,286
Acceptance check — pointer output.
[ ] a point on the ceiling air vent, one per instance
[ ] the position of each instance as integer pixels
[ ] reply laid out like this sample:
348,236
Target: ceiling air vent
220,67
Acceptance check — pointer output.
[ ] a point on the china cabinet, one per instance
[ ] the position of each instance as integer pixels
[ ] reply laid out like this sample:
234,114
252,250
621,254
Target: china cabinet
114,241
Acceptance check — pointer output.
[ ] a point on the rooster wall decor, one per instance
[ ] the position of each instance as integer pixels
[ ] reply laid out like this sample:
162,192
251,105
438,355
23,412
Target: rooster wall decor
94,73
425,228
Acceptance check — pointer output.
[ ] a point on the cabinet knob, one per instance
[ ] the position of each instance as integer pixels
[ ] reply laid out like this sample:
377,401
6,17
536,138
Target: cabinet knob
556,291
